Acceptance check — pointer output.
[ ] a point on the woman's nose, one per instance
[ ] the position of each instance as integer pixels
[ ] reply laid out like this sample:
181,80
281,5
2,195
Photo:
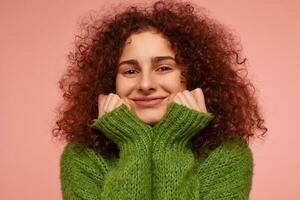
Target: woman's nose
147,82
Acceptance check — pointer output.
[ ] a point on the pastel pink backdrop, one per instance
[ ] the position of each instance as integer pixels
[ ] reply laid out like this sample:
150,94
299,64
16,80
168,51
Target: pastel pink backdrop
35,37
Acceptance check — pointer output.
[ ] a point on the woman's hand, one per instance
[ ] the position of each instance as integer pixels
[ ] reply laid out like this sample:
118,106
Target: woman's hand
182,121
107,103
120,125
192,99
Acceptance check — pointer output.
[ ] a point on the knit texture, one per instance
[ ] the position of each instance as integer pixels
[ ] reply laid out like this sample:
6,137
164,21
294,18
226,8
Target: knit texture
156,162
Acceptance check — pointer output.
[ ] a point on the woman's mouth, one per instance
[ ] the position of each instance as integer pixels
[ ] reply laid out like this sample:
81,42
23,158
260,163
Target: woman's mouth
148,103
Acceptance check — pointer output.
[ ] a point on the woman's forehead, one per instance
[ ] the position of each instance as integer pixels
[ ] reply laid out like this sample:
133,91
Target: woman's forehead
147,44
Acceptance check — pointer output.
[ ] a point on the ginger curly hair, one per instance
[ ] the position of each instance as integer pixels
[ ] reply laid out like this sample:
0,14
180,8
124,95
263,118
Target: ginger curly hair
210,53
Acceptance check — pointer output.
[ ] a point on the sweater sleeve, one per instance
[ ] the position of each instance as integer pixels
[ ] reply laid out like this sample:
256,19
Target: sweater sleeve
130,177
82,173
227,172
178,174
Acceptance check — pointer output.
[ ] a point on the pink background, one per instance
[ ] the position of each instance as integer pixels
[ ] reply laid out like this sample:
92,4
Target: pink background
35,37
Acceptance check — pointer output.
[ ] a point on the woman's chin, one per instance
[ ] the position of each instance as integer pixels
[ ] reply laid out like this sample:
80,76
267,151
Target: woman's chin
150,116
149,120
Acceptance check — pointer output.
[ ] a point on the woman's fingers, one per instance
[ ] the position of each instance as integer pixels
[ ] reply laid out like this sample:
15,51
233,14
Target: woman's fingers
125,101
191,99
101,101
176,99
114,102
107,103
199,96
187,99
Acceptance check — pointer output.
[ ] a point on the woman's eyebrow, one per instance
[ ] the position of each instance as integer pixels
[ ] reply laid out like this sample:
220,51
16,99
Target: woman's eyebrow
161,58
153,60
131,61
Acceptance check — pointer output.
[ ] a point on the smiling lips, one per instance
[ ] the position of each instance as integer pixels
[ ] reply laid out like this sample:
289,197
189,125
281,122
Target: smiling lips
149,102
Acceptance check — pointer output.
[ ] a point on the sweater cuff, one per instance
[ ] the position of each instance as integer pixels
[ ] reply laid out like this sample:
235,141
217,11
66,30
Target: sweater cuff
122,126
180,124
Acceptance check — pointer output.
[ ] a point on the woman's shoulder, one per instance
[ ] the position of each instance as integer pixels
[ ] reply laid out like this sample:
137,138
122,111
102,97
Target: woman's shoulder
72,155
236,145
231,152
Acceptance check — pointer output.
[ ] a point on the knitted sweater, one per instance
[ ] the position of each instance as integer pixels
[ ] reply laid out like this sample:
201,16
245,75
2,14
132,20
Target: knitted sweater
155,162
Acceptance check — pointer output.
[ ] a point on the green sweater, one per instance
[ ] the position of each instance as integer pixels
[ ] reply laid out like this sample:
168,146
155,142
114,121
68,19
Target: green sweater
155,162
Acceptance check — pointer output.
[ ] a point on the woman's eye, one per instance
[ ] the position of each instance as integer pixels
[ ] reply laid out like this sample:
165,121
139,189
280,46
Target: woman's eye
164,68
130,71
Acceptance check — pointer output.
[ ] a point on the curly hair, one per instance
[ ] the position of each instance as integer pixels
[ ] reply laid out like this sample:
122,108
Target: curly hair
209,52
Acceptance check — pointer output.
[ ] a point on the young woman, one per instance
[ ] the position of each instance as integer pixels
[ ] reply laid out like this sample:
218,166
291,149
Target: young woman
156,107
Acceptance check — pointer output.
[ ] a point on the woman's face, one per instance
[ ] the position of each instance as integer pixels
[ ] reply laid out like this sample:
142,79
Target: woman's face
148,75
